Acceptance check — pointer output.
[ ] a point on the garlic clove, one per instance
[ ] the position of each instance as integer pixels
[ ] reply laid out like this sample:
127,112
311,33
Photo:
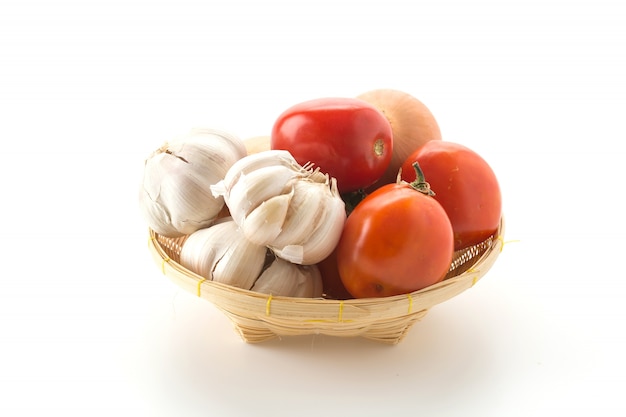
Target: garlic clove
323,238
257,161
283,278
221,253
279,279
201,248
321,243
313,285
256,187
304,213
264,223
241,264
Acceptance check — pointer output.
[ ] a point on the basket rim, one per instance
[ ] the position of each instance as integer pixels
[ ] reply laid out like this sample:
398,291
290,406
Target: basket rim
282,306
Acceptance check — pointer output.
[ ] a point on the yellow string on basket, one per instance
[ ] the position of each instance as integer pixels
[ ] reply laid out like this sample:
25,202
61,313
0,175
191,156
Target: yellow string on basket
163,262
268,305
338,319
199,284
501,239
410,303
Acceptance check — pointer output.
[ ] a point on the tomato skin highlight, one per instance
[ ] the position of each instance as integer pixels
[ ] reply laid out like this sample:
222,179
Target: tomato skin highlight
464,185
346,138
396,241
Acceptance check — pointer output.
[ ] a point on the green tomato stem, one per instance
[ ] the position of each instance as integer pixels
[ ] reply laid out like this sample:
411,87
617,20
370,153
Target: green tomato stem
420,183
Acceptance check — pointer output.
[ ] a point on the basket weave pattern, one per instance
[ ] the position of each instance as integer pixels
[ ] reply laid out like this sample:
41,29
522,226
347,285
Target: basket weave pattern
259,317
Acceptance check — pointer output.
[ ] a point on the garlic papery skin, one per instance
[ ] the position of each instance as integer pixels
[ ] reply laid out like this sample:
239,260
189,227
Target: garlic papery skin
222,254
283,278
175,197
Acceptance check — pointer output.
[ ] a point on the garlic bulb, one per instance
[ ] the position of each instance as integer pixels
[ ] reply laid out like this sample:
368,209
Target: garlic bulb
283,278
294,210
221,253
175,197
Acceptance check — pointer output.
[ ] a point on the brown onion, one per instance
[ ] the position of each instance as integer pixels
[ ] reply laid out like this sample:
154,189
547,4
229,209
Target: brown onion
412,124
257,144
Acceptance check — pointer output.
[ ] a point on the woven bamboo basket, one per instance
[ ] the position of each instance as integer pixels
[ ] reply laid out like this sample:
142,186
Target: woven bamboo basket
259,317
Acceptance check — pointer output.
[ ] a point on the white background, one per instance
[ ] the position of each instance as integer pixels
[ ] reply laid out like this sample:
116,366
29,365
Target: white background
88,324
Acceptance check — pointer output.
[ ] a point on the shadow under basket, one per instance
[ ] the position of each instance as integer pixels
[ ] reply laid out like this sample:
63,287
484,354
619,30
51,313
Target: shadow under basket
259,317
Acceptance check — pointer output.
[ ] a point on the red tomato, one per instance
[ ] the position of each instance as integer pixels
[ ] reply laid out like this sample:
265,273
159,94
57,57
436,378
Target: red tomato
333,287
397,240
464,185
346,138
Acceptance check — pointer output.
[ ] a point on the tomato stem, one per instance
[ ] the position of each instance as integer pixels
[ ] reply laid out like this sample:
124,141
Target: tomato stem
420,183
379,147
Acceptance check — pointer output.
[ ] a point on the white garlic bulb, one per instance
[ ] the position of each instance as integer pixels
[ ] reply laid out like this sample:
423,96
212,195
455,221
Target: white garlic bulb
283,278
294,210
175,197
221,253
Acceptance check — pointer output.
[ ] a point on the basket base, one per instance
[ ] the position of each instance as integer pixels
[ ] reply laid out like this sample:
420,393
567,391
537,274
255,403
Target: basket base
388,332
